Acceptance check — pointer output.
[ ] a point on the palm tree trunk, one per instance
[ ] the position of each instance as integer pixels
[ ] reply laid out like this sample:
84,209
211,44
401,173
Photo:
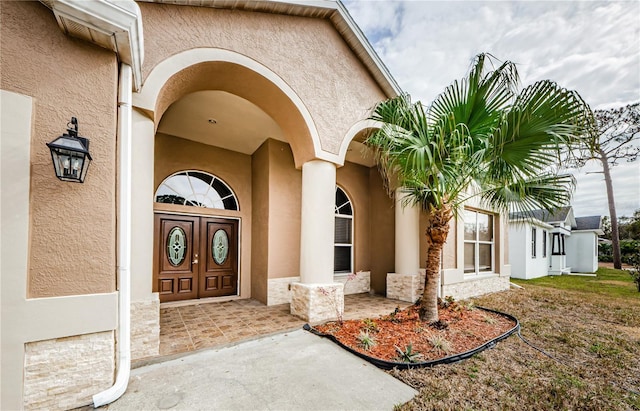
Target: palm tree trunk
615,237
437,233
429,302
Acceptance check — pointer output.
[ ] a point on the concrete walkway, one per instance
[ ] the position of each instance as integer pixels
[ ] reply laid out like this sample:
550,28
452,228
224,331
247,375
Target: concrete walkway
291,371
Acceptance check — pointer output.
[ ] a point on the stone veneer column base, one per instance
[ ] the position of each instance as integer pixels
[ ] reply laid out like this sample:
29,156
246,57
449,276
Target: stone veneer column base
65,373
279,289
145,328
316,303
474,287
405,287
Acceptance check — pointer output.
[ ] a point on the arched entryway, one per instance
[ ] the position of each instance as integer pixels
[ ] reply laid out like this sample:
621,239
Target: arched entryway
217,113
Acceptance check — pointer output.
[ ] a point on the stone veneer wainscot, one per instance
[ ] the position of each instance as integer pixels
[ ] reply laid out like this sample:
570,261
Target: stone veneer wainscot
55,371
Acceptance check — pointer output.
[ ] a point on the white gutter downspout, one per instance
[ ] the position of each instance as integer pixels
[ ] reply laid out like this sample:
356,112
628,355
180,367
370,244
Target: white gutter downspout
124,242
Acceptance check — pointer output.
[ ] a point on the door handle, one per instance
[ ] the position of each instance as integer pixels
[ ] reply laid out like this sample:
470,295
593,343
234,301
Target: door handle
195,259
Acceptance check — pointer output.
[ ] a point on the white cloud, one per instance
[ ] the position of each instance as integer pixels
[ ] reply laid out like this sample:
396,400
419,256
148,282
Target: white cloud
591,47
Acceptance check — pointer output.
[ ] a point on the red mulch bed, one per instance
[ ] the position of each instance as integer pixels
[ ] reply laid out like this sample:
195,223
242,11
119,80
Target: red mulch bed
466,328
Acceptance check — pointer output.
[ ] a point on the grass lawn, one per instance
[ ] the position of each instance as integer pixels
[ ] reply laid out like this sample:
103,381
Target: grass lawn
609,282
591,324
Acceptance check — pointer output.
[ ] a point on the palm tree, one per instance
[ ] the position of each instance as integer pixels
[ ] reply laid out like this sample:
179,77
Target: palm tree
480,138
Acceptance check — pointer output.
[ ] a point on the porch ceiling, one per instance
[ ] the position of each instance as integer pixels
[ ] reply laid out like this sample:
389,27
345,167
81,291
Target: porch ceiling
237,124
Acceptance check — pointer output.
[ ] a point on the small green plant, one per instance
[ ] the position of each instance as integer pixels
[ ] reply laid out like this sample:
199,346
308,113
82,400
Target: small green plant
603,350
408,355
473,372
370,325
440,344
366,340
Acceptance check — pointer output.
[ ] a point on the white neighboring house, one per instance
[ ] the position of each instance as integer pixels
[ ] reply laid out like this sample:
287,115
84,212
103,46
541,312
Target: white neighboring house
553,244
582,247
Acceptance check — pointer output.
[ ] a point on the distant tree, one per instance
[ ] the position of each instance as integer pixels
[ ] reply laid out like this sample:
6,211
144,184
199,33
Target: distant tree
629,227
606,227
616,139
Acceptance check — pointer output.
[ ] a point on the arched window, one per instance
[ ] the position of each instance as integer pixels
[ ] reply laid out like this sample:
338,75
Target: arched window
197,189
343,239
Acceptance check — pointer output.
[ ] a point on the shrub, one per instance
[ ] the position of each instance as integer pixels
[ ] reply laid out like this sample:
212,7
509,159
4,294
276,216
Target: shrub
366,340
408,355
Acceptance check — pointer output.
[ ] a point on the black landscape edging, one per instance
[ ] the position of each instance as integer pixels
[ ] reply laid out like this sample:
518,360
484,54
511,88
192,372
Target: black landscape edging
388,365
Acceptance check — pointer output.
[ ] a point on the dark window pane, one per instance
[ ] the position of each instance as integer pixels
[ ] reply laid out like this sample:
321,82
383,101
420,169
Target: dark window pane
343,231
230,203
202,176
222,189
534,242
346,209
342,259
341,197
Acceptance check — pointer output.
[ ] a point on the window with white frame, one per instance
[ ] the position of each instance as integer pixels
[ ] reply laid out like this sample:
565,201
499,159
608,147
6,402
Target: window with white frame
196,189
478,242
534,242
343,238
544,244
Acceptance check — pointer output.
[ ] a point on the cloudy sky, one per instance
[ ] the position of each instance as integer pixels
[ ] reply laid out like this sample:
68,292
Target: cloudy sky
592,47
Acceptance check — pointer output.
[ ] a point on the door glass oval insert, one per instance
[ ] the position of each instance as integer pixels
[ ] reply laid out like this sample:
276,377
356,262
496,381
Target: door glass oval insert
220,247
176,246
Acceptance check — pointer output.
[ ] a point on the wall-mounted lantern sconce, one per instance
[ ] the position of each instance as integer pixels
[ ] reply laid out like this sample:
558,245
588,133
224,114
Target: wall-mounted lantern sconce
70,154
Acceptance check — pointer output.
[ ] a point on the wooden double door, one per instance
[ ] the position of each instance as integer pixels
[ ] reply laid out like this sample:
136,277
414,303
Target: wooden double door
195,257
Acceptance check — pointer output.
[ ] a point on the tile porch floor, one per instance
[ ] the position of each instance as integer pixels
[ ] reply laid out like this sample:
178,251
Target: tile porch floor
193,327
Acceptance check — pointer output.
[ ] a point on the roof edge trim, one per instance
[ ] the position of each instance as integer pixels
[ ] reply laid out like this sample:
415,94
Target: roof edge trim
121,20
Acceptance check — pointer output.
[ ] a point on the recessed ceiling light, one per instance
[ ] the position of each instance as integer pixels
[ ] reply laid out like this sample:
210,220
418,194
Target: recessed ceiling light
212,121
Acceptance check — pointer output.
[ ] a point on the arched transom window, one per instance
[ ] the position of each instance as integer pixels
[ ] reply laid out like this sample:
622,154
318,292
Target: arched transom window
343,239
197,189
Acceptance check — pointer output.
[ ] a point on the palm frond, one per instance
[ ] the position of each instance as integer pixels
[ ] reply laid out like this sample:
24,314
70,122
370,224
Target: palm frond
481,136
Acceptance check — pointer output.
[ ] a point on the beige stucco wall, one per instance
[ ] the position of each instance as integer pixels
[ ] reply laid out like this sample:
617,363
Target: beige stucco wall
307,53
72,239
354,180
174,154
382,233
260,222
285,204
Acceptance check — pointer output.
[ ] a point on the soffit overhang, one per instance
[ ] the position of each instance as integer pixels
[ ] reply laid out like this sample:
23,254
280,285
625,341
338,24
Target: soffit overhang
327,9
112,24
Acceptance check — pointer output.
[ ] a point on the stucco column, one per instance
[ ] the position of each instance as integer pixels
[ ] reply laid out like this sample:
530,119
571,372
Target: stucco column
142,156
407,281
145,304
317,222
317,298
407,236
